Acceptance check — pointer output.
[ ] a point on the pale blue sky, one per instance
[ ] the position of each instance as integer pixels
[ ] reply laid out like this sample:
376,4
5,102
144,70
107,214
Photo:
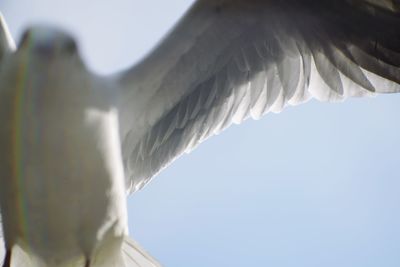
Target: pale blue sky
318,185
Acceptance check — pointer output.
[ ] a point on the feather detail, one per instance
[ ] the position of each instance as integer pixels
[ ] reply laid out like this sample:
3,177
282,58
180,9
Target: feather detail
253,57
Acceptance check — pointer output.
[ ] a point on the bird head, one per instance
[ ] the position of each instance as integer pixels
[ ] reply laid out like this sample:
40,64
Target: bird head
48,43
45,52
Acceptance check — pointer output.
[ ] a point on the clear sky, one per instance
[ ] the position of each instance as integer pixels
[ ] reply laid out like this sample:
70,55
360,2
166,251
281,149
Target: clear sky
317,185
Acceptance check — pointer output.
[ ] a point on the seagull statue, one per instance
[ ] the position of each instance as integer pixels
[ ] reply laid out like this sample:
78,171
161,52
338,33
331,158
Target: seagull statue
75,144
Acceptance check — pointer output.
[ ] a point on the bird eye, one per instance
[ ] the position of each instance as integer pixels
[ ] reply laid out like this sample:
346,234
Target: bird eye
70,47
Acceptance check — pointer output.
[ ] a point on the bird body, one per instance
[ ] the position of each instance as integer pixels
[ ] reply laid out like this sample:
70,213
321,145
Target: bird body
74,143
59,143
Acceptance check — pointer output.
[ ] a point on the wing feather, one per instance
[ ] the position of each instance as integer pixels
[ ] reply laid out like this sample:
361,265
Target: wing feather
229,60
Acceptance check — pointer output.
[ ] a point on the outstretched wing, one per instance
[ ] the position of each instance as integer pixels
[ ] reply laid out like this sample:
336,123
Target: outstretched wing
7,45
229,60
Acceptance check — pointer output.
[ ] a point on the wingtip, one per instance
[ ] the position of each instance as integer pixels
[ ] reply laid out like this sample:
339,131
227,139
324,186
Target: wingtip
5,35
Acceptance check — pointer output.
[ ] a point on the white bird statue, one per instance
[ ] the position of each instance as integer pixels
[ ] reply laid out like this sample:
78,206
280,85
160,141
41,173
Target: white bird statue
74,143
